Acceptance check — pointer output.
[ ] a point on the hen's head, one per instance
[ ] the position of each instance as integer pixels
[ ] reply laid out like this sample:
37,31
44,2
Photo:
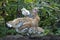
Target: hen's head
35,11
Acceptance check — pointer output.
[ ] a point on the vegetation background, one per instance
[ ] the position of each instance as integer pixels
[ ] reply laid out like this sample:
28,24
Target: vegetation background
49,13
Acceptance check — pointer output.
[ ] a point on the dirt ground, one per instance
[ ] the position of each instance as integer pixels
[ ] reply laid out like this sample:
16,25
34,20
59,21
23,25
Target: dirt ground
19,37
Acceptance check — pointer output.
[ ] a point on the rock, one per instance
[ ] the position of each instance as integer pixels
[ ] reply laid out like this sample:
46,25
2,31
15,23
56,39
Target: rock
19,37
14,37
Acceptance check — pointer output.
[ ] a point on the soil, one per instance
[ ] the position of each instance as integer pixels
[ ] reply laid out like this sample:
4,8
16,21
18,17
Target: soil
19,37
